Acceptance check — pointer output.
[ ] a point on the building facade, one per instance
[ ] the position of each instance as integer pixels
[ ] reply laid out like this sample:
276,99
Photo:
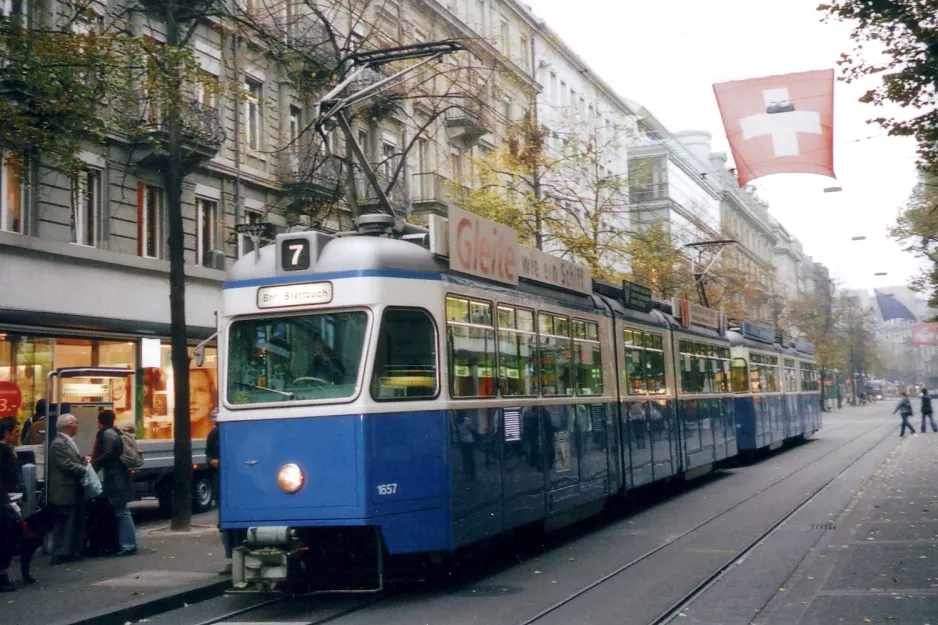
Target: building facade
581,112
671,181
88,249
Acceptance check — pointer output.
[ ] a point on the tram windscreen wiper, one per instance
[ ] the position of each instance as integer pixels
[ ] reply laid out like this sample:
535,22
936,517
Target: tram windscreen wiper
286,394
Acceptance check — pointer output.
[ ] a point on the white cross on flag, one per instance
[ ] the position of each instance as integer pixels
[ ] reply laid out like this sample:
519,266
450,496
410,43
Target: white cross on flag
780,124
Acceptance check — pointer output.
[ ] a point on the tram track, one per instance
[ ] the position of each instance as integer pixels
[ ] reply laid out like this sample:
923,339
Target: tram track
687,598
348,606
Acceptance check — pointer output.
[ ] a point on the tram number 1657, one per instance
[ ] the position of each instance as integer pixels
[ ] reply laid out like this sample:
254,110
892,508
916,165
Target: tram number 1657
387,489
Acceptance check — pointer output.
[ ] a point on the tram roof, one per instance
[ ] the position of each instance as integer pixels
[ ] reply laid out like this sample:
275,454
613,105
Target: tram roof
340,255
368,256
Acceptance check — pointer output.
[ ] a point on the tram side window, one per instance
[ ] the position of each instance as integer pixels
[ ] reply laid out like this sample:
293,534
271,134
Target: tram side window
721,367
654,364
738,370
517,351
791,376
771,374
756,380
589,364
635,363
692,375
706,367
555,347
405,363
471,339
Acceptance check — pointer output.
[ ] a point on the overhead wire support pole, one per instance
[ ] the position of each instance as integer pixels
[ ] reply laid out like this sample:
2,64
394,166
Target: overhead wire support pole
721,244
332,107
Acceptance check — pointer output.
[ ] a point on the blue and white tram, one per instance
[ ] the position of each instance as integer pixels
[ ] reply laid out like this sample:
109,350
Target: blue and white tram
374,401
777,389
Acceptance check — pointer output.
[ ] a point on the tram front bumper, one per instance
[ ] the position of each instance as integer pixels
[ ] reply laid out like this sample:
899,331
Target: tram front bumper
262,562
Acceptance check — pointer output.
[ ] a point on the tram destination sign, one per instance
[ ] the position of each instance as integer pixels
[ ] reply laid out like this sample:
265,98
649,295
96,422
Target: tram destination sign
305,294
483,248
636,296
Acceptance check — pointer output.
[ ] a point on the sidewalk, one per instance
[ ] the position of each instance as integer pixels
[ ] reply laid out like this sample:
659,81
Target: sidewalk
170,568
880,561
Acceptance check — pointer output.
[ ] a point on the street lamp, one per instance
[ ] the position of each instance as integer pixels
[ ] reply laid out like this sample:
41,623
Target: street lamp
880,273
833,189
858,238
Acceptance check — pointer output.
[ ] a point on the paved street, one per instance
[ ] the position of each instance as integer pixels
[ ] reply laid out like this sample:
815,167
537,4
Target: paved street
601,571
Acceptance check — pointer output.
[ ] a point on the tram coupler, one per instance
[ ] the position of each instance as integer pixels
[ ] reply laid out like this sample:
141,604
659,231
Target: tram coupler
263,561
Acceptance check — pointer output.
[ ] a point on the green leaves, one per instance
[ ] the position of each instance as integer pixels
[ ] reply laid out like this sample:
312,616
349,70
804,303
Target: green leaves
907,35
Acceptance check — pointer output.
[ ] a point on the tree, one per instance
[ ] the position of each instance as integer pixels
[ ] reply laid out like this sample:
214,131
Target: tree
905,33
916,230
657,263
510,183
561,189
818,319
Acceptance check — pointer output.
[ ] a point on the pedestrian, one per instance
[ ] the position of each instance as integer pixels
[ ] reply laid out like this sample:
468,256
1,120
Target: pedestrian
118,484
10,519
67,469
927,412
230,538
38,416
905,411
9,465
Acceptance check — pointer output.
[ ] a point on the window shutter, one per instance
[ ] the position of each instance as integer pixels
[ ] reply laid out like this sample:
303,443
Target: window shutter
140,216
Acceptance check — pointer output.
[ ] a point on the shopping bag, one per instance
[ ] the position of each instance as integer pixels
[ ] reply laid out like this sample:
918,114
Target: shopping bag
91,483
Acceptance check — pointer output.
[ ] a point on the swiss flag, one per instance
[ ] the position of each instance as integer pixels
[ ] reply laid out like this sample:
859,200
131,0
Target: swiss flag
780,124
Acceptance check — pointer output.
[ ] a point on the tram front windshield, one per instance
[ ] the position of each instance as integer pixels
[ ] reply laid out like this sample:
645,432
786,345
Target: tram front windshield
295,358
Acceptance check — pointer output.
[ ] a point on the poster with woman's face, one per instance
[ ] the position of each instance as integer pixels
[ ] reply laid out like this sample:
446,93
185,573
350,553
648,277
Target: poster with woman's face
203,398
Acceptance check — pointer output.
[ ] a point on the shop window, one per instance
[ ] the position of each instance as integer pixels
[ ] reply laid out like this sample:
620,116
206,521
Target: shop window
405,363
588,363
555,351
159,401
471,338
26,361
517,351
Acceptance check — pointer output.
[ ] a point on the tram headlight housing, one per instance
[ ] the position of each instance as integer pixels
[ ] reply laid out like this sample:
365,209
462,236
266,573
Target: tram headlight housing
290,478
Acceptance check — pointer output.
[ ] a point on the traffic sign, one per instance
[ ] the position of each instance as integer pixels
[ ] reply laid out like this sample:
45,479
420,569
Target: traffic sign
261,229
10,399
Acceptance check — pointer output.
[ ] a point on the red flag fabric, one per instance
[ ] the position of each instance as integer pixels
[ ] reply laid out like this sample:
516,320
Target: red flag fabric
780,124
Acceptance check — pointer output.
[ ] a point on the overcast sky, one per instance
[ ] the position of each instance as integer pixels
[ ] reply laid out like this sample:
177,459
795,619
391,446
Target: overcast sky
667,54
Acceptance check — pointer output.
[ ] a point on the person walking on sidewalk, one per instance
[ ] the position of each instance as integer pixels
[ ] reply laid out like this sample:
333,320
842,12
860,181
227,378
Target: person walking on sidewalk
10,519
66,470
118,485
905,411
927,411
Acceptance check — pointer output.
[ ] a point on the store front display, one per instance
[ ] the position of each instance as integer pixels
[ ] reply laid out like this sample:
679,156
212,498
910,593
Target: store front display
27,360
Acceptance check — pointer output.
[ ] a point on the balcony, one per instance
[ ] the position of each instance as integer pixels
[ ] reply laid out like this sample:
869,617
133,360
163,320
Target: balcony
465,122
433,193
368,199
202,135
648,192
309,178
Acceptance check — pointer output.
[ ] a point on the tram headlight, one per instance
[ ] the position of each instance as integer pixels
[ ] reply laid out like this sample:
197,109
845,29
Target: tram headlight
290,478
